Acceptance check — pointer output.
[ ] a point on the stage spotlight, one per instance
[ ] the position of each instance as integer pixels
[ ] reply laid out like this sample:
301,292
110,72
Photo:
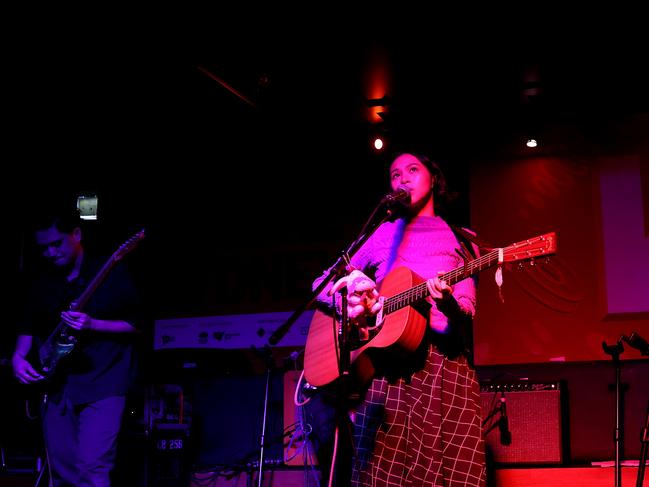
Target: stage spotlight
378,137
378,143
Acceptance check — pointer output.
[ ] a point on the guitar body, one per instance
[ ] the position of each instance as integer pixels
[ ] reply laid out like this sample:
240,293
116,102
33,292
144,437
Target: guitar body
53,350
402,331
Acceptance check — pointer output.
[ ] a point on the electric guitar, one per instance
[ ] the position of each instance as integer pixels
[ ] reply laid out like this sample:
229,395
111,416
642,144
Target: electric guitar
62,340
403,327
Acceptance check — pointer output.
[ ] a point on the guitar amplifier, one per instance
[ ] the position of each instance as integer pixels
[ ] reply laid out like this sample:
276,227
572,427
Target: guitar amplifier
522,422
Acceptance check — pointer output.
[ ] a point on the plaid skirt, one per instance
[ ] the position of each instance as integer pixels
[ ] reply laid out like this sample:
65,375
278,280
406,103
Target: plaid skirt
422,430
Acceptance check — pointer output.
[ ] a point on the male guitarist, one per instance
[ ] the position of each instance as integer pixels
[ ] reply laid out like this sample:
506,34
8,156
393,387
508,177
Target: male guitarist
419,421
85,395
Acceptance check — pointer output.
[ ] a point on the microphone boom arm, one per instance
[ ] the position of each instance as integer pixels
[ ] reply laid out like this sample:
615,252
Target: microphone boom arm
337,270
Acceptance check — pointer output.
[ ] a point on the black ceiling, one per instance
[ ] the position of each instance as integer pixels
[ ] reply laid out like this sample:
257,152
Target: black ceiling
140,75
210,103
140,108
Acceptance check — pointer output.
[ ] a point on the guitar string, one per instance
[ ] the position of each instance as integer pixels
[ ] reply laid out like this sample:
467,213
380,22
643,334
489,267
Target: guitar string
420,291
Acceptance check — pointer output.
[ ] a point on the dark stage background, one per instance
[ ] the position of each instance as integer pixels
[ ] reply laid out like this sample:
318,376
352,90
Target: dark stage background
244,153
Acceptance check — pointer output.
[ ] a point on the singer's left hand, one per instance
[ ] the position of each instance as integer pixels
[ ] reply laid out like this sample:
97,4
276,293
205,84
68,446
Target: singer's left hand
439,289
77,320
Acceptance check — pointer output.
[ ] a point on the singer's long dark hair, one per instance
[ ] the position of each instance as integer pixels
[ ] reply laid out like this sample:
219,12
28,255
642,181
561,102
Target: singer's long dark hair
442,197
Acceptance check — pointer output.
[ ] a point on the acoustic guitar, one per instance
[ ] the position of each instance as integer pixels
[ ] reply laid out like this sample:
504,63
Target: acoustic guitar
403,327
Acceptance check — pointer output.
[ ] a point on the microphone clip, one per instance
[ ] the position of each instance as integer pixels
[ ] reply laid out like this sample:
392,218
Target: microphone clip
637,342
503,423
400,196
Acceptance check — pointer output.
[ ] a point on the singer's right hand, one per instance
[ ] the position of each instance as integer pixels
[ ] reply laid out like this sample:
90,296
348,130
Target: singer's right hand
362,296
24,371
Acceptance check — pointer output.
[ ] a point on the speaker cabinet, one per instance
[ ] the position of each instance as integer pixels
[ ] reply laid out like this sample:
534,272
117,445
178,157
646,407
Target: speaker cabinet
522,423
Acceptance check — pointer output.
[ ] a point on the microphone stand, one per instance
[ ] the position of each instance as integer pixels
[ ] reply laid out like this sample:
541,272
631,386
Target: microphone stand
640,343
614,351
501,423
262,439
389,206
338,269
644,438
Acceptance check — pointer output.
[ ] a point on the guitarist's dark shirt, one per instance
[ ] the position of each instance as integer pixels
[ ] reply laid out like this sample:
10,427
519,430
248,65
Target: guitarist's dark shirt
101,364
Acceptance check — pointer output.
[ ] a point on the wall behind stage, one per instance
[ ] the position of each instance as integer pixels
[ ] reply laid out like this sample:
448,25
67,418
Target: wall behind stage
596,287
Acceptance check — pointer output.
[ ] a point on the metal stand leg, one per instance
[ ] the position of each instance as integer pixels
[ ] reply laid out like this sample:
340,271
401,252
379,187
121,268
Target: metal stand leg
644,438
614,351
263,431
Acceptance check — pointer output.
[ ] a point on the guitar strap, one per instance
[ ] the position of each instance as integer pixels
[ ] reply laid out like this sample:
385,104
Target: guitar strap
468,237
463,236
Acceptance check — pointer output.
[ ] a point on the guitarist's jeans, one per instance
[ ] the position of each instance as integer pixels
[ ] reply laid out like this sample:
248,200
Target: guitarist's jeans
81,440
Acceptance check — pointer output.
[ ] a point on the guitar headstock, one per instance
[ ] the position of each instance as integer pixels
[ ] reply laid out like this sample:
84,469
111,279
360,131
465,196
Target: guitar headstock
129,245
532,247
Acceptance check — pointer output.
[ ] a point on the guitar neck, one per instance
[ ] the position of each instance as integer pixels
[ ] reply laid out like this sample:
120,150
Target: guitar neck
420,291
83,299
81,302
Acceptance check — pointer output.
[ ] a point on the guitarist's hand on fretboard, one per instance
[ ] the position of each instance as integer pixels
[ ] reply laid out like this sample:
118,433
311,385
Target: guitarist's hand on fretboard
77,320
438,289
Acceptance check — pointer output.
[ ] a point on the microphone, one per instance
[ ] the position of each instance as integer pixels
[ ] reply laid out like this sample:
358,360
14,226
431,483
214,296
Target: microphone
636,341
400,195
503,423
